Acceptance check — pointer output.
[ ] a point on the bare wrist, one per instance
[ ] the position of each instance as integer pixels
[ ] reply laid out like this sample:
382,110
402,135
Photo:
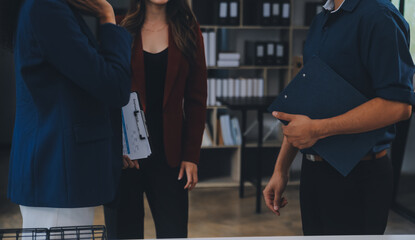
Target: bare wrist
107,17
281,172
321,128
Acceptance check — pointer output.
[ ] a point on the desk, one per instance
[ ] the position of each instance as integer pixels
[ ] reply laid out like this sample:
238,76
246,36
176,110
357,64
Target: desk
383,237
244,104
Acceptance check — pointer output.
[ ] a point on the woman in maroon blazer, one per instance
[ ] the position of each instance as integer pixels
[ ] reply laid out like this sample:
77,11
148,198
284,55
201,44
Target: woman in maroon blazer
169,73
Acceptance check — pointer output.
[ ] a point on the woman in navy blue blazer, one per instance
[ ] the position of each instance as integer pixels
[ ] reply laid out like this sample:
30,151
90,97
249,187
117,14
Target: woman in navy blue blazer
66,153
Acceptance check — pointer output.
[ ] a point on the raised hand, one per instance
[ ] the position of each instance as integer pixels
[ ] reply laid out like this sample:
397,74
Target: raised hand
98,8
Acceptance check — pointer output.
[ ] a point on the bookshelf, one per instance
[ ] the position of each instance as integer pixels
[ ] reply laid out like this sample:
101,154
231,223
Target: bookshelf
275,79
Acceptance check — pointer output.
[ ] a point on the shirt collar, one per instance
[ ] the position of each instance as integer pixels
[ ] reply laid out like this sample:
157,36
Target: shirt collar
347,5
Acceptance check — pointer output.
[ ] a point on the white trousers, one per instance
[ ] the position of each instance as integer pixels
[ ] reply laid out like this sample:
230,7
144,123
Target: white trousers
40,217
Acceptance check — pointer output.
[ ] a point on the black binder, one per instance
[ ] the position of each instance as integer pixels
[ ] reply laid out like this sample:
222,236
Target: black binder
281,53
266,12
270,56
285,12
260,48
249,53
221,12
251,12
234,6
275,12
203,11
319,92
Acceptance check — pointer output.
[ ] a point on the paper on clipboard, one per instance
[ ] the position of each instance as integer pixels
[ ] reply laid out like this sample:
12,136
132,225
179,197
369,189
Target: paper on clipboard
134,130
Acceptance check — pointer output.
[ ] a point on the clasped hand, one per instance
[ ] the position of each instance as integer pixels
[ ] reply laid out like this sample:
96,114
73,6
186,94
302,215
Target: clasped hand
301,131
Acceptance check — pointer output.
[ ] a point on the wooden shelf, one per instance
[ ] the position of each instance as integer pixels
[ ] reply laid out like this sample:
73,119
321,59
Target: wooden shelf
246,27
216,107
301,27
269,144
221,147
251,68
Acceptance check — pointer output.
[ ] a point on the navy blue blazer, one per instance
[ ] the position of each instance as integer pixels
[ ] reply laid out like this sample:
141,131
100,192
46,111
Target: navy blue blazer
66,149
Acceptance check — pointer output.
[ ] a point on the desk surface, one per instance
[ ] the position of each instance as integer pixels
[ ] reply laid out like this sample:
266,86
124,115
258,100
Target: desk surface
385,237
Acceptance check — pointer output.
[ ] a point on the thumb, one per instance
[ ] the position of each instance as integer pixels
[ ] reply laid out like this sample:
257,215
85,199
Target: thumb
284,116
181,173
277,200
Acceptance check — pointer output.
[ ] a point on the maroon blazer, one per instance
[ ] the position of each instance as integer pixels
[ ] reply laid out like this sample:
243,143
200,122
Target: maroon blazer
184,104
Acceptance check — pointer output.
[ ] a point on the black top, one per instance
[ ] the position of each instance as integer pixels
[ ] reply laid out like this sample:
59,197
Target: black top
155,74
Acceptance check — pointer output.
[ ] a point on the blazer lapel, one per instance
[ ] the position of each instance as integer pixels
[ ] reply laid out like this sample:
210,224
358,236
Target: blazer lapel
173,65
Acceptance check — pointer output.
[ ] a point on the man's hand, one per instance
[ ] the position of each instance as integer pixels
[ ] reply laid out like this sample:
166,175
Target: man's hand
273,193
191,173
128,163
302,132
98,8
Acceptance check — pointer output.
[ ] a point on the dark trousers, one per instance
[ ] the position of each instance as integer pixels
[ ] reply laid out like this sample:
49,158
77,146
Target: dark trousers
354,205
168,201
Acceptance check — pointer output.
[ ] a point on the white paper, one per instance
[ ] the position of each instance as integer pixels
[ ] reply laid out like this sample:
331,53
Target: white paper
206,43
134,130
212,49
260,87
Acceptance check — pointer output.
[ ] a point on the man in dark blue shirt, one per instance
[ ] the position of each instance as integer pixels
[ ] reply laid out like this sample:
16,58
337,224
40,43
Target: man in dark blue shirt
367,43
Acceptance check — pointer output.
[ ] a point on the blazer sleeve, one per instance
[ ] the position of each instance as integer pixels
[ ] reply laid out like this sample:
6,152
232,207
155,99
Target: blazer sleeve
195,105
105,73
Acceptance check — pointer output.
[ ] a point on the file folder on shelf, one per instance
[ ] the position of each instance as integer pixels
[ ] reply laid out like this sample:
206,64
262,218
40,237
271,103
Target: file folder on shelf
135,136
222,12
319,92
234,12
286,13
276,12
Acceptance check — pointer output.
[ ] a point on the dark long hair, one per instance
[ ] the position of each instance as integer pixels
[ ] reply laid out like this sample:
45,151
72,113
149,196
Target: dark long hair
9,12
180,18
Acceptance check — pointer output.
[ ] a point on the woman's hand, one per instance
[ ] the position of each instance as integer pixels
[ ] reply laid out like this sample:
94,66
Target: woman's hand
191,173
98,8
273,192
128,163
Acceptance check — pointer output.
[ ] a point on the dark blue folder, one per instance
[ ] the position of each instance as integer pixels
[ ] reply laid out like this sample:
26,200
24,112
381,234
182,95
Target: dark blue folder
319,92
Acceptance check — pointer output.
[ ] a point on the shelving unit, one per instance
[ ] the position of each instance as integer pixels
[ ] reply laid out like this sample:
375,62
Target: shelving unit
275,79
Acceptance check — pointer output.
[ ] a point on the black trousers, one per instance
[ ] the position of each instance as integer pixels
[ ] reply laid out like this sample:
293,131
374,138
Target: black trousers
168,201
354,205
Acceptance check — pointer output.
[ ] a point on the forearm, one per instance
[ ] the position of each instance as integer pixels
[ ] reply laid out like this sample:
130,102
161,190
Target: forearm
374,114
285,158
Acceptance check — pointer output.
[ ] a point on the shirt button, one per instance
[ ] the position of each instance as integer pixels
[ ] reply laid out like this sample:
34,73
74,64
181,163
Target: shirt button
304,75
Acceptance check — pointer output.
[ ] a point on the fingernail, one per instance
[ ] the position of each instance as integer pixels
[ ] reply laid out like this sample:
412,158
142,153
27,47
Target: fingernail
275,114
275,208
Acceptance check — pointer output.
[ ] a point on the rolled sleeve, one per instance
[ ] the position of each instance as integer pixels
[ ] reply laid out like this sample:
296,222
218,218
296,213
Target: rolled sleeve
388,59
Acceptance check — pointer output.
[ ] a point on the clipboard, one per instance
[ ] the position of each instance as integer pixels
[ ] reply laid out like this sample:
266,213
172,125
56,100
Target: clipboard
135,135
318,92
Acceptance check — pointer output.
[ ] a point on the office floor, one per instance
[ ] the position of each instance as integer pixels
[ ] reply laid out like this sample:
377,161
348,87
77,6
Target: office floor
214,212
